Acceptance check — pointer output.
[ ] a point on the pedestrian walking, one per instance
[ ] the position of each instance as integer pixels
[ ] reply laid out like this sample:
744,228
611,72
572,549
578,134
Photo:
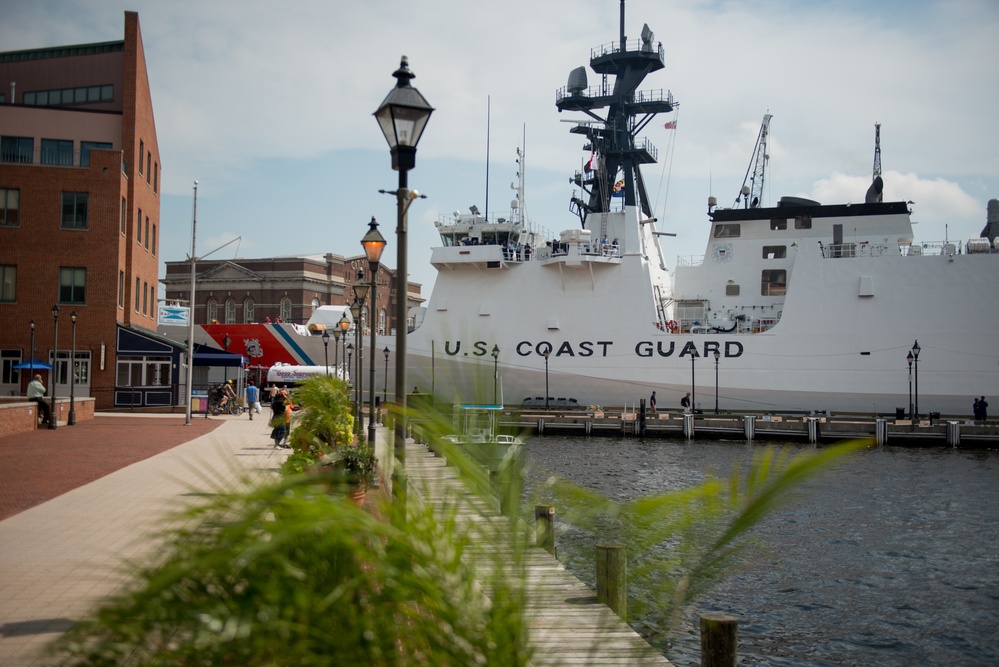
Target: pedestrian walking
252,399
652,403
685,403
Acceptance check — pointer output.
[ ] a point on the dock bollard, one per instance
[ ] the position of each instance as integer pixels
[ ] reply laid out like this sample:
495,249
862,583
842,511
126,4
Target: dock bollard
749,424
541,426
544,528
813,430
612,578
719,639
953,433
688,426
881,431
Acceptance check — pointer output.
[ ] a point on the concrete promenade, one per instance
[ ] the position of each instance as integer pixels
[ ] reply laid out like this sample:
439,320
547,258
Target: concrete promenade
61,556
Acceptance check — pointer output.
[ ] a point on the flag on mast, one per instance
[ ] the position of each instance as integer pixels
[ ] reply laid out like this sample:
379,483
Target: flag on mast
671,125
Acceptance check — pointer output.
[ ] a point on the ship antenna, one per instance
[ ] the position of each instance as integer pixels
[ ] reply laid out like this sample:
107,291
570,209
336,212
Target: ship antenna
488,127
623,38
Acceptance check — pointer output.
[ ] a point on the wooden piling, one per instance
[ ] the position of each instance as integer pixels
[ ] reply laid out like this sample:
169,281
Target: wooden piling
544,523
612,578
719,638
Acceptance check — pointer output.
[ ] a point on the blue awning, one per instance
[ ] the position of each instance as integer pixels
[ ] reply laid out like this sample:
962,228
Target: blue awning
25,365
210,356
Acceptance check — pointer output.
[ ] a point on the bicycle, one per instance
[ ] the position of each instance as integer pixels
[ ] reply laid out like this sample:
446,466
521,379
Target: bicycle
233,407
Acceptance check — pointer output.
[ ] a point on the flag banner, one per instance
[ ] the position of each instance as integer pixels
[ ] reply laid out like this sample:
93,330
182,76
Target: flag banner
670,125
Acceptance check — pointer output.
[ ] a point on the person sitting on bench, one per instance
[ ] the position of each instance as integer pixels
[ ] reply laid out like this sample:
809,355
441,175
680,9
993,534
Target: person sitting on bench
36,393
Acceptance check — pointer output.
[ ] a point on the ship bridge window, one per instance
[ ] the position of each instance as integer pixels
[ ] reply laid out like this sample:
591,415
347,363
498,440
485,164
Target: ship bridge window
728,231
774,251
777,224
802,222
774,282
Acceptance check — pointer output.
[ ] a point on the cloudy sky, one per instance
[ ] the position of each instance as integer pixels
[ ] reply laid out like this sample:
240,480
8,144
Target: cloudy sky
268,105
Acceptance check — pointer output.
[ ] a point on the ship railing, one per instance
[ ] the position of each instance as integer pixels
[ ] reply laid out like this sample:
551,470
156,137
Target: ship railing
629,45
607,89
689,261
867,249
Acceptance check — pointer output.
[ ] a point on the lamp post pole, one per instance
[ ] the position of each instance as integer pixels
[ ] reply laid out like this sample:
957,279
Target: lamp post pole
547,352
495,372
385,379
693,385
915,356
226,342
717,357
348,349
373,244
336,351
344,327
190,322
402,117
72,373
908,359
55,365
326,350
360,292
31,359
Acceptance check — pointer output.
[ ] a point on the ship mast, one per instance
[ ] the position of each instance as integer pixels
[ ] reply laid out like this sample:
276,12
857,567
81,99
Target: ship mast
877,157
616,154
752,184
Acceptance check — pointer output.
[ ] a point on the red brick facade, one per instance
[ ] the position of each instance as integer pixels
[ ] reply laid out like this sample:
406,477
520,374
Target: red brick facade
53,259
257,288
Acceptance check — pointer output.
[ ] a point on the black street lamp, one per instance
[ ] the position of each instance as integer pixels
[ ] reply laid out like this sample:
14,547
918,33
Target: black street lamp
915,357
355,374
72,374
495,372
349,351
693,386
373,244
909,358
226,342
402,117
344,325
55,364
547,352
717,357
326,350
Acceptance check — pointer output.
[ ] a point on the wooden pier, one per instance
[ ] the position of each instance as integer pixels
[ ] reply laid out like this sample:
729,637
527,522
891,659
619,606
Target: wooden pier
568,625
935,432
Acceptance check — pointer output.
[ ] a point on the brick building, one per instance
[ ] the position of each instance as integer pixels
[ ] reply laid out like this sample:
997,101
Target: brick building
245,291
80,176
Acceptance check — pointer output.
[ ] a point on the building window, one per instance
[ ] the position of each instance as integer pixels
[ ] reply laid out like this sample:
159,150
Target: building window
156,176
145,298
774,282
381,322
138,228
10,207
147,232
81,369
778,224
154,241
285,310
72,285
74,210
9,359
58,152
149,164
212,313
138,284
121,289
315,304
731,290
137,371
68,96
774,251
802,222
248,310
142,150
230,311
728,231
87,146
17,149
8,283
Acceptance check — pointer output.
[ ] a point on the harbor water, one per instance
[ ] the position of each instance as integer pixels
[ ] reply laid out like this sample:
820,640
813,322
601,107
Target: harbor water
889,558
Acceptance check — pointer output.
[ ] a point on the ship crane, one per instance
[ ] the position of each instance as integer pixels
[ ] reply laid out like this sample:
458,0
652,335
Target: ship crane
752,184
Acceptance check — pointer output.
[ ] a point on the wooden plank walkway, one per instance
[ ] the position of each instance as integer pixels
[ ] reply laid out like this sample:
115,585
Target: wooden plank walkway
568,625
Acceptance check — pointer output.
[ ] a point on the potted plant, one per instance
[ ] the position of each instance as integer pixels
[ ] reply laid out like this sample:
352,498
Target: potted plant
350,469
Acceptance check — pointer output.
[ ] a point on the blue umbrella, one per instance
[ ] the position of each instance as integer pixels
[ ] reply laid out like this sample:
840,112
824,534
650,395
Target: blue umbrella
24,365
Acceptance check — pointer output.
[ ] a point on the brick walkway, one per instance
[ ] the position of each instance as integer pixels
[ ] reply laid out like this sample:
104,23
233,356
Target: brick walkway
40,465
